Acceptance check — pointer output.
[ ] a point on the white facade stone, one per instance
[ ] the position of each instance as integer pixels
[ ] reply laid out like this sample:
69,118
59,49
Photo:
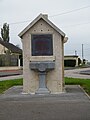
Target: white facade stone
54,78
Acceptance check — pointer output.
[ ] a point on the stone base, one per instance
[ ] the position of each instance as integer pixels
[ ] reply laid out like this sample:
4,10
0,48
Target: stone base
42,91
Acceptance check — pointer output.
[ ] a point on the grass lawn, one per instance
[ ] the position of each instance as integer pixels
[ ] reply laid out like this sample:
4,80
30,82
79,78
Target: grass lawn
4,85
85,83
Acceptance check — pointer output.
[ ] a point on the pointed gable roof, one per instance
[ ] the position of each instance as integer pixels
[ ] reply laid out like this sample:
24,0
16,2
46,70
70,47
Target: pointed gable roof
45,18
10,46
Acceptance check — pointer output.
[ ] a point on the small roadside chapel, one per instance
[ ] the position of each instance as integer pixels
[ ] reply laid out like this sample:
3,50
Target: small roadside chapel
43,57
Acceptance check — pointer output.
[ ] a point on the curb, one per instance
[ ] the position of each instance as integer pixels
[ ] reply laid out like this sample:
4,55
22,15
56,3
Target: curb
84,92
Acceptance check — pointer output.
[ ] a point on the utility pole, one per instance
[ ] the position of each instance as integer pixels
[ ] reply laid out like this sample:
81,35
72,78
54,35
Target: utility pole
82,53
75,52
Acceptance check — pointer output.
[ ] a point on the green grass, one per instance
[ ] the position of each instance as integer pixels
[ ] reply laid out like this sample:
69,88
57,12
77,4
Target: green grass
85,83
4,85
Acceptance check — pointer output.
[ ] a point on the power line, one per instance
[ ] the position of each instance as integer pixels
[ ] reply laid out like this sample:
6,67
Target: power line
74,10
75,25
20,22
63,13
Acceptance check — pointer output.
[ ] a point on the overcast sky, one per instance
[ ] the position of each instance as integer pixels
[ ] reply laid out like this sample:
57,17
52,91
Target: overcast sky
71,16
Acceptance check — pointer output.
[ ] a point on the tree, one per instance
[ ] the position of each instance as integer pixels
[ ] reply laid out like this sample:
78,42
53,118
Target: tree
5,32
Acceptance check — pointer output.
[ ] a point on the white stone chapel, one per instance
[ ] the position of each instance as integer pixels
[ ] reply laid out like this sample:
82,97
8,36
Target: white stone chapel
43,57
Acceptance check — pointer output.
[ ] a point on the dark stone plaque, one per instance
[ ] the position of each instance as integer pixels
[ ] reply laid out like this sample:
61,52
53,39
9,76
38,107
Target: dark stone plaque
42,45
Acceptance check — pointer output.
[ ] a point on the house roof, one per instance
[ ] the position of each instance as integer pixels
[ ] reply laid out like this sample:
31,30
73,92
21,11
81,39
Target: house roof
70,56
45,18
10,46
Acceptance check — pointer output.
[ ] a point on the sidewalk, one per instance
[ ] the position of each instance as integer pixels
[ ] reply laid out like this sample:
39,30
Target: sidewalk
74,104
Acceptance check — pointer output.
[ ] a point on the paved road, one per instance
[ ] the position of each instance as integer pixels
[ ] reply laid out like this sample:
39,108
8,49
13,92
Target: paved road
76,73
11,77
4,73
71,105
10,74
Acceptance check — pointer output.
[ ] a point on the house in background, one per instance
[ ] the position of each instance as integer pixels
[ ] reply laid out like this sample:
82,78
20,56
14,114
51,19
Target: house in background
10,55
72,61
